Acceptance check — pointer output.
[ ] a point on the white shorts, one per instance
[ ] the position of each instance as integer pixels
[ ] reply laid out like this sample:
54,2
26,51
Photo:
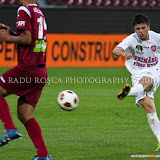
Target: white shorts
155,75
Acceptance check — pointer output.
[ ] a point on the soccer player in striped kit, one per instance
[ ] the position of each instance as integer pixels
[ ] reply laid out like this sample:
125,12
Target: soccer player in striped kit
31,40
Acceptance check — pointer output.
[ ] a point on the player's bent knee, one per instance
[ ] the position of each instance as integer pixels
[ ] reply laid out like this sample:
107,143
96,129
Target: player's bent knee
24,114
148,86
21,117
147,83
24,117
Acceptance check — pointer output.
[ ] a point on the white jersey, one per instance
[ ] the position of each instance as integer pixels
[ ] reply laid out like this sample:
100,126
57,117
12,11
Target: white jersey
145,54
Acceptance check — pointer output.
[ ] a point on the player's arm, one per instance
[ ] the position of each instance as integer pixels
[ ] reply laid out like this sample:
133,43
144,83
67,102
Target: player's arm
24,38
119,51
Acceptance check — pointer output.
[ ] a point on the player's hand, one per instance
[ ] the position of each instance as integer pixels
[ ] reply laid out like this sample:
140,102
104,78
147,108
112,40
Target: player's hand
128,55
4,35
7,28
1,26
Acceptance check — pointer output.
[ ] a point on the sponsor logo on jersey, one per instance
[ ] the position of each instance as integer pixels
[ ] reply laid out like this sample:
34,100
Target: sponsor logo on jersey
145,62
40,46
153,48
21,23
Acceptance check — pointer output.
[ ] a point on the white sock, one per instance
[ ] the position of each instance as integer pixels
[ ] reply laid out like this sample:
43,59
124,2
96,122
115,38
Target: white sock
154,124
137,89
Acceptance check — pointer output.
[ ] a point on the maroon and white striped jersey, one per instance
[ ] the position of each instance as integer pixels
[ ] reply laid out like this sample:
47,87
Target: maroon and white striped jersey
31,18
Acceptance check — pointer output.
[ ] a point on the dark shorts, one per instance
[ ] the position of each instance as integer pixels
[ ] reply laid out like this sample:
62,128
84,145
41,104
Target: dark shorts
25,81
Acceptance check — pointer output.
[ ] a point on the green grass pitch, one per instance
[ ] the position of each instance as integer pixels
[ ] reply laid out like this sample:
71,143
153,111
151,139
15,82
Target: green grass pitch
101,128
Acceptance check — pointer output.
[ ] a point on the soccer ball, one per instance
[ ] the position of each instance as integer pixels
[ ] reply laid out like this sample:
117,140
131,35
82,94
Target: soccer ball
68,100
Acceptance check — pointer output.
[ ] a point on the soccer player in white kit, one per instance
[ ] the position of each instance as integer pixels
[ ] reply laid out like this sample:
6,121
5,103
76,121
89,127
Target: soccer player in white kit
141,50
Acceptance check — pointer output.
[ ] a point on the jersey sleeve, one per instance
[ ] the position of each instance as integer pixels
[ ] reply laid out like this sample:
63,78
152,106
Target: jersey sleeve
126,43
23,19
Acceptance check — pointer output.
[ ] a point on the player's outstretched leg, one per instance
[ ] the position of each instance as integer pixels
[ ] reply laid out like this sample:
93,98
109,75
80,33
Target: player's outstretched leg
9,135
125,92
47,158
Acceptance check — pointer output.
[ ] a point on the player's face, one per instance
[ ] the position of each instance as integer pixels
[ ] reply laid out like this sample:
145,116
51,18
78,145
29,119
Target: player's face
142,31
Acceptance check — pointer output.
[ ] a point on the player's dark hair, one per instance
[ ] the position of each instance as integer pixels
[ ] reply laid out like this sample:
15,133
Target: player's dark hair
138,19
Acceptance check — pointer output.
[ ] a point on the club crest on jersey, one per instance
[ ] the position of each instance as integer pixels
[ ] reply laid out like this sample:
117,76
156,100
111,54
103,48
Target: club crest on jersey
139,49
153,48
